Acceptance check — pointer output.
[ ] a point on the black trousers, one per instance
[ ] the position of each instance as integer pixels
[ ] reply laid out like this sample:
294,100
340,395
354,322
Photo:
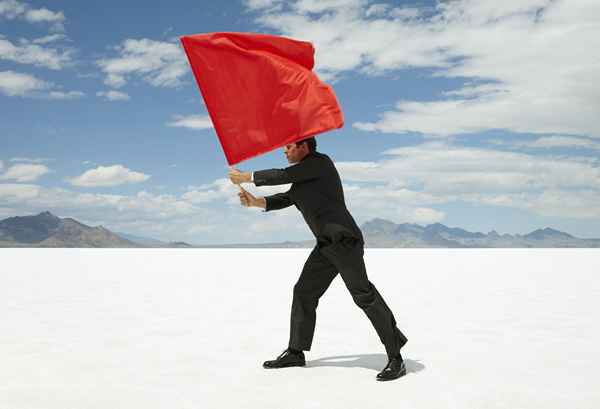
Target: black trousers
324,262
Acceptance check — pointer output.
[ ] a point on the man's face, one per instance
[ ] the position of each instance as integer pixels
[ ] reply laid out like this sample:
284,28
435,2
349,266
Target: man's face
295,152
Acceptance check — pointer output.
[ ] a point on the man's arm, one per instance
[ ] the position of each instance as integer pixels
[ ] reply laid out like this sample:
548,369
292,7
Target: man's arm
304,170
277,201
272,202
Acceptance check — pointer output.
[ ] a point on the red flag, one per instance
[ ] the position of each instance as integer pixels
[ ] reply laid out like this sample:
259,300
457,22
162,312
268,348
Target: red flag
260,91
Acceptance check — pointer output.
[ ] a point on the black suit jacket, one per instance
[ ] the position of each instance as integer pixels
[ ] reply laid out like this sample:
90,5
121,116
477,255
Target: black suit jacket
317,192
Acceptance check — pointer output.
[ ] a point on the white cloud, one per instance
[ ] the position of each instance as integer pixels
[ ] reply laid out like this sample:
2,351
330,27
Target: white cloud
526,68
44,15
24,172
1,165
437,173
17,84
108,176
554,141
220,189
161,64
113,95
114,80
117,208
30,160
390,200
263,4
65,95
286,220
11,193
12,9
49,39
319,6
406,13
191,121
423,215
34,54
202,196
377,10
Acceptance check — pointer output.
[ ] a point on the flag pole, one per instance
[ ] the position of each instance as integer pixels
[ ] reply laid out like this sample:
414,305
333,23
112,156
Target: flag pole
238,185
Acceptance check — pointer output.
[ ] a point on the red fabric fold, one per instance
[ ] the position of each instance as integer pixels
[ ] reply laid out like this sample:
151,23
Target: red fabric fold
260,91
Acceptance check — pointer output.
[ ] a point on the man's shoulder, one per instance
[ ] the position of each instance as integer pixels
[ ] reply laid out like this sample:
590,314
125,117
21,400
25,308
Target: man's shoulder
320,155
318,159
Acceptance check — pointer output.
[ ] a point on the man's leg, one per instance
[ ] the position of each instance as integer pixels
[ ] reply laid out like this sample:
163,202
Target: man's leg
347,256
317,275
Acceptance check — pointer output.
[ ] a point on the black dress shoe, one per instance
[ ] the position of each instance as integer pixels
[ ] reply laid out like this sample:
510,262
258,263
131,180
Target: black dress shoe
394,369
286,359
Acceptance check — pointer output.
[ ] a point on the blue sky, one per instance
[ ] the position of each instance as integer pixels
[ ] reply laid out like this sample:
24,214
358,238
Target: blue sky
474,114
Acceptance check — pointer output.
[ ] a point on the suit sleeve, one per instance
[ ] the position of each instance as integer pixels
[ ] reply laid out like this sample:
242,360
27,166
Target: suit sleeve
278,201
307,169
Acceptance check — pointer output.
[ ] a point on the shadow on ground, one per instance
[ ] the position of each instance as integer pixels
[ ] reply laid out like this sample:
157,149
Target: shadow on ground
375,362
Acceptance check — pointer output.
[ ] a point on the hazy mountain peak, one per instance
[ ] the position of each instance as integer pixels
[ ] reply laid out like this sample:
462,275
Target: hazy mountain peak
29,229
436,227
48,230
378,226
547,233
46,214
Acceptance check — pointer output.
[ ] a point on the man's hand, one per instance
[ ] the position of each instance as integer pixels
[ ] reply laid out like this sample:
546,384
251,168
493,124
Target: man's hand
238,177
247,199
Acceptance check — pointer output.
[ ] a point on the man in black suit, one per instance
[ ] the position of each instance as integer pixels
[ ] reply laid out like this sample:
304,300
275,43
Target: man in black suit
317,192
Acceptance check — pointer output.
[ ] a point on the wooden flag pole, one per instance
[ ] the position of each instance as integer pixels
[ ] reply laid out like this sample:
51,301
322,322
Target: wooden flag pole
238,185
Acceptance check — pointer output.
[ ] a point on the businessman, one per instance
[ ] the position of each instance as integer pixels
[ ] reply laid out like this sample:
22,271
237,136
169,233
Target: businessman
316,191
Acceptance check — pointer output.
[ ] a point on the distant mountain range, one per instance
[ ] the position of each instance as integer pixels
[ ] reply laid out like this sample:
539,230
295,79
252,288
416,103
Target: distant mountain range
48,230
384,233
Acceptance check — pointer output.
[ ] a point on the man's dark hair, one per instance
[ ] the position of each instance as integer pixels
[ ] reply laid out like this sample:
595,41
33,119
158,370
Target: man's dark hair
310,142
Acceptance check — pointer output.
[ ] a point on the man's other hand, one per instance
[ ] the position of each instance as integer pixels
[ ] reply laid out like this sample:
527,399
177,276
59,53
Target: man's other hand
238,177
246,198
